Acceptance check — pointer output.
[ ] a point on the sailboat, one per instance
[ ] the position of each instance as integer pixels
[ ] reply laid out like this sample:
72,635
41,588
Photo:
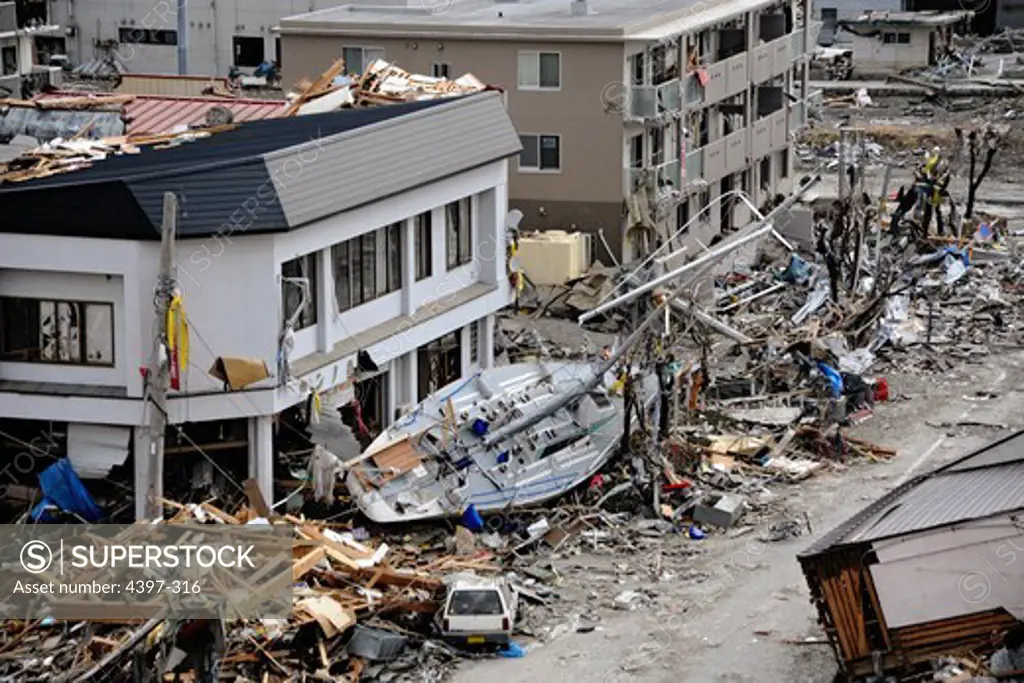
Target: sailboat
508,436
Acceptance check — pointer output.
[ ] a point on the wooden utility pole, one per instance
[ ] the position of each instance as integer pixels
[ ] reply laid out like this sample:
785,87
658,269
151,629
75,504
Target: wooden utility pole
157,376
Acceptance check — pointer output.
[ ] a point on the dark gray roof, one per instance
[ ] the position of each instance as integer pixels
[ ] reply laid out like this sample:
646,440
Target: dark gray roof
268,176
985,483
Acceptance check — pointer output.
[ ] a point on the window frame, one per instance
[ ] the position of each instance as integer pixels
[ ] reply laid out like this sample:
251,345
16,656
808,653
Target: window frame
361,279
423,245
446,67
83,331
306,320
393,275
474,342
462,254
362,57
900,35
146,36
236,48
539,168
539,87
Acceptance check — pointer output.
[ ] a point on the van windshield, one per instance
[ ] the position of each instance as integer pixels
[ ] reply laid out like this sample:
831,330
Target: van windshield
475,602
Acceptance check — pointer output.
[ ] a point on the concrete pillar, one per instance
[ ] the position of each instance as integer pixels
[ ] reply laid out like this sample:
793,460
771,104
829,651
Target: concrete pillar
408,265
140,441
261,454
409,379
487,341
325,306
392,393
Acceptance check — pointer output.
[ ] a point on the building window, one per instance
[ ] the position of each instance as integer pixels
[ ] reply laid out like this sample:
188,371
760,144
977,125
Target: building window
540,70
53,331
896,38
358,59
765,173
441,70
277,52
145,36
424,246
903,38
291,292
355,265
474,342
682,214
248,51
540,153
459,232
393,258
784,164
438,364
8,61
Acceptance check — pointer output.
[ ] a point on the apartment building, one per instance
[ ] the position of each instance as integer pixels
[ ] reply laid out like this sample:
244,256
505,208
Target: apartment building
302,248
28,38
634,115
143,34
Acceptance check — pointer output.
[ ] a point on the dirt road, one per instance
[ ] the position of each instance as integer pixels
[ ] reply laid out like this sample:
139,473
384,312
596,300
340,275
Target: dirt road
725,614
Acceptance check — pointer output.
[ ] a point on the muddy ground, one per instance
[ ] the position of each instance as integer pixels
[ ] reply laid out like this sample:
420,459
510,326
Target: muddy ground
727,606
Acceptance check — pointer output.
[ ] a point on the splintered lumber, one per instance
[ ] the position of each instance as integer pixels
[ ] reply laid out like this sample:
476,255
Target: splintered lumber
305,564
255,496
320,84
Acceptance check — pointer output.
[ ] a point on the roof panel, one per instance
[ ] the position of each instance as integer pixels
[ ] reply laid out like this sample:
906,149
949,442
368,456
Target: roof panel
985,483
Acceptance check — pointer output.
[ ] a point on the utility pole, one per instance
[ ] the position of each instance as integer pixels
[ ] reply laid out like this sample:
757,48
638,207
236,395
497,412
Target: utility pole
182,38
157,377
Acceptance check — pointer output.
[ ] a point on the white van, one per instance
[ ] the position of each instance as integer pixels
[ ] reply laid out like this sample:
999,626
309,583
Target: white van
477,610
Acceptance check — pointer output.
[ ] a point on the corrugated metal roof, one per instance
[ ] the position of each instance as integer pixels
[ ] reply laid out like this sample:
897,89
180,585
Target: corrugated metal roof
152,114
985,483
156,114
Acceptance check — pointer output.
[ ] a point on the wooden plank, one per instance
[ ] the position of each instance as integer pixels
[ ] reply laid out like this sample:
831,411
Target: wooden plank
305,564
256,500
321,83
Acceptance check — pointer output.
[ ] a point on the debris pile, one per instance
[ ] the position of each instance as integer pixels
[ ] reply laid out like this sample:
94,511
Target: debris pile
380,84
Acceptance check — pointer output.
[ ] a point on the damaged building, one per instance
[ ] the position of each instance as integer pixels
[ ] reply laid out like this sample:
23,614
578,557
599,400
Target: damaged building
312,270
635,117
928,569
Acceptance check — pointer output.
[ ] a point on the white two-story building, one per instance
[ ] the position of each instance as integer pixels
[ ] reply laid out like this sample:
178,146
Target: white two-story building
395,218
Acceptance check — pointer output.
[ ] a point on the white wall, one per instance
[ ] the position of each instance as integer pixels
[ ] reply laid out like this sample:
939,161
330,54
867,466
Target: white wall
212,27
872,54
232,295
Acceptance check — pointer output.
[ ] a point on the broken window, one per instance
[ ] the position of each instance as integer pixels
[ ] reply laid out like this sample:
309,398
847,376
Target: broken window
438,364
424,248
393,270
474,341
8,61
459,232
248,50
292,292
143,36
50,331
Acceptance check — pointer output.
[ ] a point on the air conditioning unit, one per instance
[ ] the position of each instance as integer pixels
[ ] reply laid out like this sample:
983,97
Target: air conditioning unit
554,256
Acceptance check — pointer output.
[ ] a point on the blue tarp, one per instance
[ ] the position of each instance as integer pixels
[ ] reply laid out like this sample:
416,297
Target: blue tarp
63,489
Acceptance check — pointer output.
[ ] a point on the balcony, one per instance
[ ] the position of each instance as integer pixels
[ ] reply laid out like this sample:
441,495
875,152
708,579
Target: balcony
666,176
798,38
736,151
649,101
693,91
694,167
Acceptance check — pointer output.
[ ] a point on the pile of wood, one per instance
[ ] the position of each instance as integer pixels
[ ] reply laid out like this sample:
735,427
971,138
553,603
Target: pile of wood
65,156
381,83
340,585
